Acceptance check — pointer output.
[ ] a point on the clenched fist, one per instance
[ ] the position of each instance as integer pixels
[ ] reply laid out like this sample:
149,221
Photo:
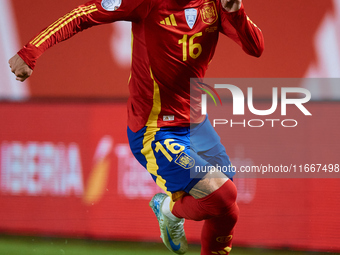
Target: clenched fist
231,5
18,66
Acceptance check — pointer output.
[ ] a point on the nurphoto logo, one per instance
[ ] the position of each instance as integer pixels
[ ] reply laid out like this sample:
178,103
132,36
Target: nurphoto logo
239,103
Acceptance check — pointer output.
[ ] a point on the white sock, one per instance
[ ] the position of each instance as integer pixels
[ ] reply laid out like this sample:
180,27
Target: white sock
166,210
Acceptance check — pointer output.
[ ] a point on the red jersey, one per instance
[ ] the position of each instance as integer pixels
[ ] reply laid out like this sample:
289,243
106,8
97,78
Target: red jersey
173,41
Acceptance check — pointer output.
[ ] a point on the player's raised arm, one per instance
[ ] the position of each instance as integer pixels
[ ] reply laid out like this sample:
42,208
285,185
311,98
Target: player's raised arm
237,25
95,12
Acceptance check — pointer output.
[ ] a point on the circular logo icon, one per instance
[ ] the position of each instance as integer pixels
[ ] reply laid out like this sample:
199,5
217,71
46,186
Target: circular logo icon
111,5
224,239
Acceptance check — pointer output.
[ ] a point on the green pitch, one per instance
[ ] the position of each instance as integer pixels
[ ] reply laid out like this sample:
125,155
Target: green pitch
10,245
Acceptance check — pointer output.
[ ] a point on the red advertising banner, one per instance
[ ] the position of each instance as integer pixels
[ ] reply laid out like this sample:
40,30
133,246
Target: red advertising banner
67,170
96,62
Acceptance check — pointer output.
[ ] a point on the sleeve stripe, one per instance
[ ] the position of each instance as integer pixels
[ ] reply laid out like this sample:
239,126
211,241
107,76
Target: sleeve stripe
252,23
60,23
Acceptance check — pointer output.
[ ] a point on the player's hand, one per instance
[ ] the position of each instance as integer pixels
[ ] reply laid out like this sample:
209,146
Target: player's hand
18,66
231,5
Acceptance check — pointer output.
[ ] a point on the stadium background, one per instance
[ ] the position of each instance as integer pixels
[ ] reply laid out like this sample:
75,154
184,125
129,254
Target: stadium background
65,165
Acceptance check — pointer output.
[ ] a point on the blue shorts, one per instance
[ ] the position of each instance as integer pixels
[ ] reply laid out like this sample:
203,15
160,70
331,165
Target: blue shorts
177,157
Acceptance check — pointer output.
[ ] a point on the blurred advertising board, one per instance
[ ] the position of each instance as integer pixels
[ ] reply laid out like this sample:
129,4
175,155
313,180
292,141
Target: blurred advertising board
67,170
294,47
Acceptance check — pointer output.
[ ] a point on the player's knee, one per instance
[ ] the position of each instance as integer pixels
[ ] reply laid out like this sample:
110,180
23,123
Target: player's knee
223,201
228,194
229,213
233,214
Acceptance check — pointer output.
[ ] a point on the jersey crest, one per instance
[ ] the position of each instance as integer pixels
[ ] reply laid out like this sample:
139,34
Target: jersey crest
209,13
190,16
185,161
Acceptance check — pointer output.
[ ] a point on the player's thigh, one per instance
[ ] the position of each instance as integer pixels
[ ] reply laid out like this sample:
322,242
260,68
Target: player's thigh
211,182
207,144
